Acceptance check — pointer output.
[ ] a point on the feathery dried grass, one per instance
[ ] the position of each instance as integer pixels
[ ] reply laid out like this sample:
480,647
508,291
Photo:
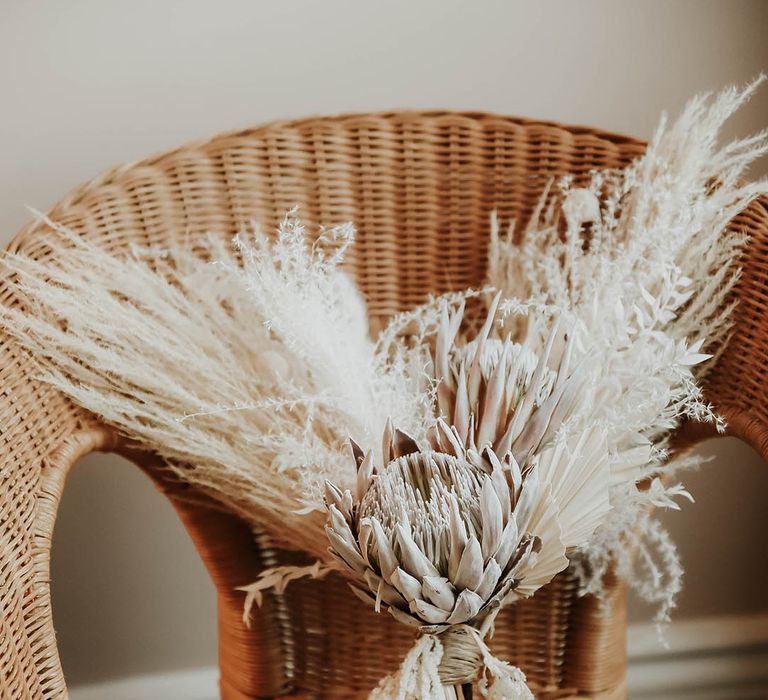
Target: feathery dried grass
246,367
644,270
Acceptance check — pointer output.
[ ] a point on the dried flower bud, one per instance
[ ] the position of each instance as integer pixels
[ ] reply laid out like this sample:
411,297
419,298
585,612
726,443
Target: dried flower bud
580,207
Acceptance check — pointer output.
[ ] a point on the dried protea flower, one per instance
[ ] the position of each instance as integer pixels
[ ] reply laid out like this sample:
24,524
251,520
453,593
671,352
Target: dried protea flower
439,540
503,394
507,400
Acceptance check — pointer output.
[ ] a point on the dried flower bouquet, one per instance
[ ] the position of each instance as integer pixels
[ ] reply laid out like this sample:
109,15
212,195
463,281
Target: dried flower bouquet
452,472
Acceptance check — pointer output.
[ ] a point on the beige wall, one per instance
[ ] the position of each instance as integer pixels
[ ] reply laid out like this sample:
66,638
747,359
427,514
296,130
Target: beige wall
88,84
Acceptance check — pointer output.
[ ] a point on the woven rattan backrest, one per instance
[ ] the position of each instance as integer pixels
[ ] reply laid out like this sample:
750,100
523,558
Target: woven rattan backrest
419,188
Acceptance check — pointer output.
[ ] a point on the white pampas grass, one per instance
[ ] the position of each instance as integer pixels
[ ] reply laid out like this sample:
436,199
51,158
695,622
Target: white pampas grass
644,270
246,371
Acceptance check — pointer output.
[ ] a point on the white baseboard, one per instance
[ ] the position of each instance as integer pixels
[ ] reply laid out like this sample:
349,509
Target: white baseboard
192,684
714,658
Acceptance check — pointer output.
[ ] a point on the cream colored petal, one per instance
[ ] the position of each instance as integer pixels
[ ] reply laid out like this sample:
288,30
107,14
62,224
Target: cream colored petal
470,569
386,442
332,492
456,320
439,591
504,443
412,558
403,444
510,540
471,433
365,472
341,526
408,586
458,537
383,591
446,336
332,495
347,551
493,524
468,604
431,614
475,371
490,578
385,554
523,553
347,503
364,541
462,409
515,474
535,428
501,487
476,459
357,452
494,396
447,440
530,494
445,398
503,590
492,459
523,411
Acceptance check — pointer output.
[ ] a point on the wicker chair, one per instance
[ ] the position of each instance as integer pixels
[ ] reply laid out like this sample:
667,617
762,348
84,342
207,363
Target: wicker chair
419,187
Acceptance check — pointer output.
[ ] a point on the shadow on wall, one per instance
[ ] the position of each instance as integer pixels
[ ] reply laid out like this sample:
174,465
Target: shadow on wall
725,563
130,595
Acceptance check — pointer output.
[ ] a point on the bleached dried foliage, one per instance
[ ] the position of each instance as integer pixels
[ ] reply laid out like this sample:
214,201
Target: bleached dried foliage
643,270
542,438
515,476
246,368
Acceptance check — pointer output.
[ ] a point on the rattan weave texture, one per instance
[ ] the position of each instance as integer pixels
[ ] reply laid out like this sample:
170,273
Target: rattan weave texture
419,186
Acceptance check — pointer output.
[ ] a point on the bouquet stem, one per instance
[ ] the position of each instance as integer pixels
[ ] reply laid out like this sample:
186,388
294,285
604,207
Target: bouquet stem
461,691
